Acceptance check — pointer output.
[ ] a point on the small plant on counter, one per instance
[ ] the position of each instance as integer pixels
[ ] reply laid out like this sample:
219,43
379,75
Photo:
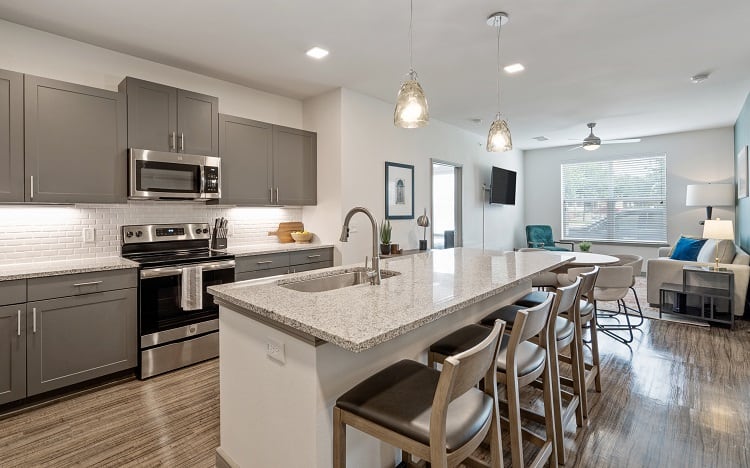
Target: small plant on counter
584,246
385,237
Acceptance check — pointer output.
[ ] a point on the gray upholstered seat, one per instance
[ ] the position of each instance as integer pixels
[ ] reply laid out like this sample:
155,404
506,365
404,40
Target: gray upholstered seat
400,398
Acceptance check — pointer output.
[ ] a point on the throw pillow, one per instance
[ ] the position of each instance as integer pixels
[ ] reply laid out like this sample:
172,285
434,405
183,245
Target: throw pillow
725,253
687,249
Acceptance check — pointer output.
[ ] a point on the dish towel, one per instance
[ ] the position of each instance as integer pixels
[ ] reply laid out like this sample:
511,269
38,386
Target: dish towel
192,288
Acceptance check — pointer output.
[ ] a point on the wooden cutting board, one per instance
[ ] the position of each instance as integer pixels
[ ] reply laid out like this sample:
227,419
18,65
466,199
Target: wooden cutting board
285,230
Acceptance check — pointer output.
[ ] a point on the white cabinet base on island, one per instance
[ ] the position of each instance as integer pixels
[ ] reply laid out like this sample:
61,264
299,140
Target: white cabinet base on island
280,415
278,412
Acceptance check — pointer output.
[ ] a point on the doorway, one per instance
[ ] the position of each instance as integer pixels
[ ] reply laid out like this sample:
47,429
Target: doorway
446,210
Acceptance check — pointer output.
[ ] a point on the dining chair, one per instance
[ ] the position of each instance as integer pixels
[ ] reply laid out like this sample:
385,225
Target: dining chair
635,261
612,285
439,416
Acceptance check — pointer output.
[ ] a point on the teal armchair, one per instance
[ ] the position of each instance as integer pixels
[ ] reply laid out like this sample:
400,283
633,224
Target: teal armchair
540,236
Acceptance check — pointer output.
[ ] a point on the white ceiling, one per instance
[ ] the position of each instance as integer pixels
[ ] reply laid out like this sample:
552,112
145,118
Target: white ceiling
623,64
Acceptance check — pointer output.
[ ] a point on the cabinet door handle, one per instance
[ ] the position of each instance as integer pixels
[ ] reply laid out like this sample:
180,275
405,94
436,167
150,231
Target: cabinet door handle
277,195
32,187
33,319
313,256
173,141
19,322
266,262
271,190
182,142
90,283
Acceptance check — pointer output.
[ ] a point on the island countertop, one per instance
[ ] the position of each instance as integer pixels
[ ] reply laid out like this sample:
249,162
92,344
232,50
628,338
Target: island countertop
429,286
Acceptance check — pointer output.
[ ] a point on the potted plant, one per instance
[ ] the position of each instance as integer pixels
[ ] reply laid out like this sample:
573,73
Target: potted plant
385,237
584,246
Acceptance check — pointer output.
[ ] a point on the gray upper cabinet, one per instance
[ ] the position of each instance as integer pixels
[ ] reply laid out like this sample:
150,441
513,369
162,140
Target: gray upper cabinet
75,143
265,164
11,136
294,166
246,161
73,339
164,118
12,353
152,115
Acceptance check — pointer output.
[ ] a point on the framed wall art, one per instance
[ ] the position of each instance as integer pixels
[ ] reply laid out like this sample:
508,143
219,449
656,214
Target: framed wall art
742,188
399,191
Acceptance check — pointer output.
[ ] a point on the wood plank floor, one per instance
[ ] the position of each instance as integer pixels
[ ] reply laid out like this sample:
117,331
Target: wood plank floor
678,397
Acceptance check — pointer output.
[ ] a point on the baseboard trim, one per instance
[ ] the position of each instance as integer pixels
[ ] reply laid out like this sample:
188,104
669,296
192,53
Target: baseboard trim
223,460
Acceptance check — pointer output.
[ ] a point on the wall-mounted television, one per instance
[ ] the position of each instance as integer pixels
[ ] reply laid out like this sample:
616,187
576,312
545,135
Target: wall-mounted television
503,188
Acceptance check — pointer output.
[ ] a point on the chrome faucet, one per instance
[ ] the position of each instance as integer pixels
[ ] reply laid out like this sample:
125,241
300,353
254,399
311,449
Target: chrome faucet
375,276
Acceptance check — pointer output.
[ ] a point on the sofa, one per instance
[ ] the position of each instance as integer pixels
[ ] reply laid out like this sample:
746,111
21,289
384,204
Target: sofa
666,270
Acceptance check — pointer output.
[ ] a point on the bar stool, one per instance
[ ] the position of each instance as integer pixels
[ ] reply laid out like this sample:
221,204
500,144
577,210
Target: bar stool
562,336
438,416
519,363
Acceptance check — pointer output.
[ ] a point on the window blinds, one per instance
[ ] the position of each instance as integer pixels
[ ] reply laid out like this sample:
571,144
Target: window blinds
615,200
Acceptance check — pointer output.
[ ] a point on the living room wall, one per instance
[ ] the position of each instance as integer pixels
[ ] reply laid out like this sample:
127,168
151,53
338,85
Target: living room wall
742,138
692,157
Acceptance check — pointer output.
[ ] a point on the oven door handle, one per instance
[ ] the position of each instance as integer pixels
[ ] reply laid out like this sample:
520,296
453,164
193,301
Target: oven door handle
177,271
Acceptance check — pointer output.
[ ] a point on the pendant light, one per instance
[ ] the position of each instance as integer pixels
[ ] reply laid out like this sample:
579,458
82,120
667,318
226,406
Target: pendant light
411,104
499,139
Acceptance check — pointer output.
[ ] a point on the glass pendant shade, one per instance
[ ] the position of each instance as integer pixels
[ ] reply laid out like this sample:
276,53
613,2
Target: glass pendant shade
499,139
411,104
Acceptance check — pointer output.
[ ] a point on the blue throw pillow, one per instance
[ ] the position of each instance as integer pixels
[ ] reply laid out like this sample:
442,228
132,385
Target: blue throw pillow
687,249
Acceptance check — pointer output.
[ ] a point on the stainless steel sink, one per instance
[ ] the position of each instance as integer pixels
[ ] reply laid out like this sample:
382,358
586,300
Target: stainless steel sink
344,279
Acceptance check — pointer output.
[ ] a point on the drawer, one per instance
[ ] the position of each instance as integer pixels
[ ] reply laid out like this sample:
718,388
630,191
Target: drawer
309,266
12,292
248,275
261,262
311,256
82,283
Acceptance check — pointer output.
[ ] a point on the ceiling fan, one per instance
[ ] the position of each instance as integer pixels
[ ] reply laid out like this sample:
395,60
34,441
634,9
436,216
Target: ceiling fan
593,142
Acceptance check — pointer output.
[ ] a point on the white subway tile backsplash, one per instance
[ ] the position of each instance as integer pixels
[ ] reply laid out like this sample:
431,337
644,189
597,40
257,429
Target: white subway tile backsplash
44,233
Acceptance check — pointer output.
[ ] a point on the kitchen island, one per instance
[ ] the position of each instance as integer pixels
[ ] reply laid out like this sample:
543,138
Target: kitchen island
286,355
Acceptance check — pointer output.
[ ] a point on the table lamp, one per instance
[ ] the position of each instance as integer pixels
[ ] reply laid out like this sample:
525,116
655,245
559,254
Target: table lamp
423,221
718,229
710,195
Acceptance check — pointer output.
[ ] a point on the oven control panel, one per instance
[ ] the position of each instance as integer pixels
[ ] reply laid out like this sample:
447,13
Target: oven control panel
164,232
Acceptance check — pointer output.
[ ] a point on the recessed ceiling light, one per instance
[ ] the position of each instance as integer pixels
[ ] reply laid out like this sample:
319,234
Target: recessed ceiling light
514,68
317,53
540,138
699,78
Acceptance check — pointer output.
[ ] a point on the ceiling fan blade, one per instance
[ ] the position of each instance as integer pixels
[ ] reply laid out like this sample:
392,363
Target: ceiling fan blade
575,139
625,140
574,148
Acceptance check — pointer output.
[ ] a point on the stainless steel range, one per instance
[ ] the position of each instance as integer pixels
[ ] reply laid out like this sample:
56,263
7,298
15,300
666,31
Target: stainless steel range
177,320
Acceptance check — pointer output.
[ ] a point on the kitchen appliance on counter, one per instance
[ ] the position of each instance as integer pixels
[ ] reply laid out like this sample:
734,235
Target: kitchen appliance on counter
161,175
178,322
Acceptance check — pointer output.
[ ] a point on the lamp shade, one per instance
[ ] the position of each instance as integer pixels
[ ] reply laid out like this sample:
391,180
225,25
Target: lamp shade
718,229
710,195
499,139
411,104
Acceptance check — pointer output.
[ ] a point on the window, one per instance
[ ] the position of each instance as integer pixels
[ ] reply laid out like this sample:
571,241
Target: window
615,200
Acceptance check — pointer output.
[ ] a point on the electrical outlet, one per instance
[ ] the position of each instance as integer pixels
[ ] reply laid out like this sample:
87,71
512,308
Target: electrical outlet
275,350
89,235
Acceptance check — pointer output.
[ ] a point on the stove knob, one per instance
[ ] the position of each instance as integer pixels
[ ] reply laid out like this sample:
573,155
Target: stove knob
138,233
129,234
198,231
205,230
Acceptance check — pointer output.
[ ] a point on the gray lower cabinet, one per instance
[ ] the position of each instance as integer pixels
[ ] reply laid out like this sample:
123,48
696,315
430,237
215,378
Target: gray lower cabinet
75,143
265,164
11,136
165,118
12,353
73,339
282,263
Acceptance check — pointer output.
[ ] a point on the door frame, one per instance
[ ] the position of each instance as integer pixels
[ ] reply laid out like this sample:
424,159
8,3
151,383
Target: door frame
457,197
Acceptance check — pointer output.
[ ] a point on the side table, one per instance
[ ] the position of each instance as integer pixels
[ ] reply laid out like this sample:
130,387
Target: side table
704,294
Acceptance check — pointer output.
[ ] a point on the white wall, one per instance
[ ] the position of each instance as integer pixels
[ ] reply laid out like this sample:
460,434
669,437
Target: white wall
35,52
692,157
369,139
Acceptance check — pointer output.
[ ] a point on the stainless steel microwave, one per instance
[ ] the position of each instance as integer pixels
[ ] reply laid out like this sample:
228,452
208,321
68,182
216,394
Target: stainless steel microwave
159,175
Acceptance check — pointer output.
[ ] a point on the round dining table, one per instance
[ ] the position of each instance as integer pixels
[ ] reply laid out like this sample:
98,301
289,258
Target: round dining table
588,259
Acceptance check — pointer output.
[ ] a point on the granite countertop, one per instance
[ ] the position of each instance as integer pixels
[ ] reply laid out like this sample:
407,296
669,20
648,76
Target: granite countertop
429,286
247,250
17,271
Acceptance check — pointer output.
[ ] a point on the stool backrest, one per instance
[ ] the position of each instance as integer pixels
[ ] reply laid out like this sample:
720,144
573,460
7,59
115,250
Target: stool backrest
565,297
536,319
588,280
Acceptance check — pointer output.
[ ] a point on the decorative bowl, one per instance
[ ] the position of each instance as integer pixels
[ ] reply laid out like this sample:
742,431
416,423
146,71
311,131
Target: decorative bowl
302,237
